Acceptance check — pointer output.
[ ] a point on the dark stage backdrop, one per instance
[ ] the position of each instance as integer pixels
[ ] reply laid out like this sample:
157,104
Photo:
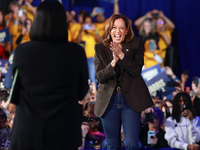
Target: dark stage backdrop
184,13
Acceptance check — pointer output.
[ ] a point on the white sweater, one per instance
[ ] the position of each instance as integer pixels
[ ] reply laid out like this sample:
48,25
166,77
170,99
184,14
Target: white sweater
179,135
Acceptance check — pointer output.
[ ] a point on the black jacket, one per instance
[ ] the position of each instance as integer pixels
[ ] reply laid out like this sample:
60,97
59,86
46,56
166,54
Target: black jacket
52,78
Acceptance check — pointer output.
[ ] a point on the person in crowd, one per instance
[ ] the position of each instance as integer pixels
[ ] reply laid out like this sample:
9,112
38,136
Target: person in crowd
122,93
89,36
196,101
163,28
71,18
3,45
13,23
100,17
147,30
164,33
152,56
24,36
93,137
73,28
154,121
44,102
182,128
153,15
4,132
28,8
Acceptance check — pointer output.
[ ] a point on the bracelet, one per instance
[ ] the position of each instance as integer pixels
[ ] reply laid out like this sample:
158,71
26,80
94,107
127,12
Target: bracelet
145,16
91,15
96,32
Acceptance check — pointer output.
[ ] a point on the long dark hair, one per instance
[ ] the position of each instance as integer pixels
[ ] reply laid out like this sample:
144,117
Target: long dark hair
176,112
50,23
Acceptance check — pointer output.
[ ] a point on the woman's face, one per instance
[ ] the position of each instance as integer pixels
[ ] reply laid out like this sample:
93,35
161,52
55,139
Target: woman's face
119,30
147,27
15,9
88,20
159,23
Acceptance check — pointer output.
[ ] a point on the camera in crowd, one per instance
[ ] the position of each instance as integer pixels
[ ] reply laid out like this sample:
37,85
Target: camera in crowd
149,117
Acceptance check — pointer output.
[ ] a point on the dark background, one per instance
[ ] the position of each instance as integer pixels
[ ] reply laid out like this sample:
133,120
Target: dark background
184,13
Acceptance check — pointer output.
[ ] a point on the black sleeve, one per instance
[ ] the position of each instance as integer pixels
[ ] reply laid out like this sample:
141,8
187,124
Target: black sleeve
19,39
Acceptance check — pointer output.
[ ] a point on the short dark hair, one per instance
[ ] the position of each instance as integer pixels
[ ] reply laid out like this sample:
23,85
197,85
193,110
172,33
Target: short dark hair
50,23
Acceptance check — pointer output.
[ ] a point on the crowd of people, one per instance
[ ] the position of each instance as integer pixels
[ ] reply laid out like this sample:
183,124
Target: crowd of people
171,123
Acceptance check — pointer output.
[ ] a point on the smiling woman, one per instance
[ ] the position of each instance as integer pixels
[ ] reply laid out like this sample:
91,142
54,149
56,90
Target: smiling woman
118,63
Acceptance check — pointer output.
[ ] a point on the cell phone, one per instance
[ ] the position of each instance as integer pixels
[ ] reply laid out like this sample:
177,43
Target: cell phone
196,80
172,84
25,23
87,27
159,94
150,134
184,107
155,15
151,45
99,10
20,12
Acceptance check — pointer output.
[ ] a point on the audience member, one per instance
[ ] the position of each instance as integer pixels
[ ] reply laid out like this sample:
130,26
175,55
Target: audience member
88,36
196,90
13,23
4,132
28,8
182,128
154,121
73,28
24,36
152,56
100,17
3,45
147,29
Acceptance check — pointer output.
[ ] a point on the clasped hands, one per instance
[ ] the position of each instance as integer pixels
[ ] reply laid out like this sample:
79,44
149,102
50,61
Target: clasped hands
117,53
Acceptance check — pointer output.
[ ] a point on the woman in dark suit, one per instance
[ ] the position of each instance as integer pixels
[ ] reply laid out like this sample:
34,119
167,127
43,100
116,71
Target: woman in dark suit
50,77
122,93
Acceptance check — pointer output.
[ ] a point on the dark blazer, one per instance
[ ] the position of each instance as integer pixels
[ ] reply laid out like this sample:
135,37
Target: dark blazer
133,85
52,78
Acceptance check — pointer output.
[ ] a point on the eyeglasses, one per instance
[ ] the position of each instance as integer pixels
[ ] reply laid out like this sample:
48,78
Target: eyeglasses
160,22
92,118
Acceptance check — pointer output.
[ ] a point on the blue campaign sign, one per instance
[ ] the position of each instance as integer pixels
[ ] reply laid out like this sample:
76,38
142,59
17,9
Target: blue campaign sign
2,68
4,35
160,82
151,72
